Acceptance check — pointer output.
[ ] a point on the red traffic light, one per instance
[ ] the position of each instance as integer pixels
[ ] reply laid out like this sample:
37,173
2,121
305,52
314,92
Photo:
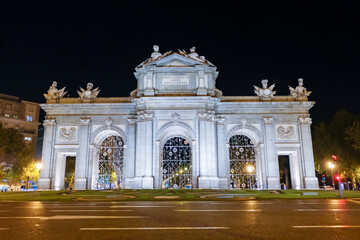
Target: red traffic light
334,157
337,177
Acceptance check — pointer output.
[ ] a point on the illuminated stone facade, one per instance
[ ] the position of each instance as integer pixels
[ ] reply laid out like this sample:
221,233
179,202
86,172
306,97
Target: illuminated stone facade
177,130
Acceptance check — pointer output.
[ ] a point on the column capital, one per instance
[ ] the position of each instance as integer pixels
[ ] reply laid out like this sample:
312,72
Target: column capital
132,121
220,120
268,120
49,122
85,121
305,120
144,116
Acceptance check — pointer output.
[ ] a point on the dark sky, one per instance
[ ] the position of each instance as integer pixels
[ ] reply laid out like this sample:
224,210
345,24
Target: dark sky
76,42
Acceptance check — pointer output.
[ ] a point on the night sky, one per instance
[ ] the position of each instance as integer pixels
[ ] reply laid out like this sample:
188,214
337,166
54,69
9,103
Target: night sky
76,42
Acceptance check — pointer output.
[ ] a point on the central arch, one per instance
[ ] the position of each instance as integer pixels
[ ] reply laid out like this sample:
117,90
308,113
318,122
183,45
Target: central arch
176,163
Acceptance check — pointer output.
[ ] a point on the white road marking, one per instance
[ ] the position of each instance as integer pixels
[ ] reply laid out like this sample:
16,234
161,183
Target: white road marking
138,206
329,226
220,210
328,210
92,210
65,206
332,203
353,201
251,203
152,228
73,217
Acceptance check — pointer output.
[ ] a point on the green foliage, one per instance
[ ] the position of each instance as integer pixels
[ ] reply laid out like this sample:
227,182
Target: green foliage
14,154
353,134
332,138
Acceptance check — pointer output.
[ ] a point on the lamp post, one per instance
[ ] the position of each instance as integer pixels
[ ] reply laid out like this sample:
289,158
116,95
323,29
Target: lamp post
331,166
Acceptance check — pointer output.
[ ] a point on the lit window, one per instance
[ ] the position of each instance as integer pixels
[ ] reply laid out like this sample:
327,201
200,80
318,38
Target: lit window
29,118
28,139
7,115
15,116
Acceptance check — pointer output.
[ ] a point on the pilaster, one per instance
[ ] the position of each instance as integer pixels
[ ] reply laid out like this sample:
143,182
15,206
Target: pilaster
44,182
81,163
310,180
273,180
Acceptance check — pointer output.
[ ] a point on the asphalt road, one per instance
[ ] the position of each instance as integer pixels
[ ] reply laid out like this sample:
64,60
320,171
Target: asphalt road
272,219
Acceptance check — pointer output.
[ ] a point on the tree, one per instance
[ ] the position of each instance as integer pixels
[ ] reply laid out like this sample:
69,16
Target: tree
331,138
14,154
353,134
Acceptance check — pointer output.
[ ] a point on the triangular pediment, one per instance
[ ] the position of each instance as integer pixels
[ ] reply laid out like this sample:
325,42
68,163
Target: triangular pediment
176,59
173,59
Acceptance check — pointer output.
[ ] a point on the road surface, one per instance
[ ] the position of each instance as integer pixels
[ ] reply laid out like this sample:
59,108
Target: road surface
271,219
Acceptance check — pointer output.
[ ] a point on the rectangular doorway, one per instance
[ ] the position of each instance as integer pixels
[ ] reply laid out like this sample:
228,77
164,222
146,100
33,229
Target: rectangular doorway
69,172
284,172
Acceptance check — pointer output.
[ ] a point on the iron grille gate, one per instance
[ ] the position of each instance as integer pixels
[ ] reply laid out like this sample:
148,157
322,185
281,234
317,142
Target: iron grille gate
242,162
111,161
176,168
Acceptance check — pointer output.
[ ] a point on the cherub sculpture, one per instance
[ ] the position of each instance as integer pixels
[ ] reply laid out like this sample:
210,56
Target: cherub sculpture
89,93
299,91
54,93
265,91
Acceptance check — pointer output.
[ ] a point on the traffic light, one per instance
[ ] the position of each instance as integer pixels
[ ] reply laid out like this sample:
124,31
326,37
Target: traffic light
337,177
334,157
323,176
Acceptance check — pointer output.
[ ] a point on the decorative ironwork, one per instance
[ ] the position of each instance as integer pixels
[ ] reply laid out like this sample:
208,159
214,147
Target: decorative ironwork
111,161
242,162
176,167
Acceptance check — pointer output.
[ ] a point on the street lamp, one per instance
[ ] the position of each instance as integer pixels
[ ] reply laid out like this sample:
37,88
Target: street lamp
331,166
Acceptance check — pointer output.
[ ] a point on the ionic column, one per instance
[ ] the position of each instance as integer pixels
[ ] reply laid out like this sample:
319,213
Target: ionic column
47,154
82,160
202,145
129,161
271,157
221,148
143,170
311,182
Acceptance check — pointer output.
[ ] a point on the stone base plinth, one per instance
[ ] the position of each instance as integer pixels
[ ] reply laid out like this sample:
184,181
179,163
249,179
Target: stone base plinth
143,183
44,184
311,183
208,182
273,183
80,184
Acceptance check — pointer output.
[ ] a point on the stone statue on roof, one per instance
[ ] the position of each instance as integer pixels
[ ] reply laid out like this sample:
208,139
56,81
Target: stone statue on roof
265,92
156,54
299,91
195,55
54,93
89,93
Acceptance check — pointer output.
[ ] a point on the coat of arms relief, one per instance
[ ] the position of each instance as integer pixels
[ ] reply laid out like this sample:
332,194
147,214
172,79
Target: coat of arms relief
286,132
67,133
